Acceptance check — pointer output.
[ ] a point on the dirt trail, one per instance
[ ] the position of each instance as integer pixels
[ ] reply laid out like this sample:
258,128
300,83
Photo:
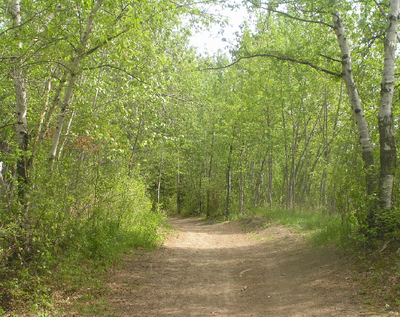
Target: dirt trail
217,270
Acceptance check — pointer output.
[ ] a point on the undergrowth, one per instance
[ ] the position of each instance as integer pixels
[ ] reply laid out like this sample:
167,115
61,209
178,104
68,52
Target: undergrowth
75,270
77,232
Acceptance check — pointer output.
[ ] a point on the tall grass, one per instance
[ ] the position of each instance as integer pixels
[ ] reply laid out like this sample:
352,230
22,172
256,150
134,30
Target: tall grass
323,228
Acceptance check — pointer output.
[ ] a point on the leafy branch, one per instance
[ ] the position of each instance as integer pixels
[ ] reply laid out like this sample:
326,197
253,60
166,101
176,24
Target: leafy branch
282,58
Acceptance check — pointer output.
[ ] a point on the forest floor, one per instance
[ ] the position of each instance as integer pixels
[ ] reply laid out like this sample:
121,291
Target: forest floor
235,269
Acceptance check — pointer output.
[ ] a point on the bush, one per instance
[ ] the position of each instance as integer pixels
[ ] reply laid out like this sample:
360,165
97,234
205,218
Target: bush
81,218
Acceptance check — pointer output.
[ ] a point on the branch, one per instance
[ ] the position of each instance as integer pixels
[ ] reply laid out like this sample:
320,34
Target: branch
117,68
8,124
48,62
19,25
379,7
92,50
282,58
119,17
330,58
292,17
174,97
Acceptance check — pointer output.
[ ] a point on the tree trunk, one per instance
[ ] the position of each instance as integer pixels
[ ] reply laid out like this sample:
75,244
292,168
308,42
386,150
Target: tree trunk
253,176
291,201
270,177
178,190
385,117
200,191
241,184
256,198
66,134
209,178
21,109
73,76
44,127
270,160
286,168
46,108
358,113
21,129
228,183
159,180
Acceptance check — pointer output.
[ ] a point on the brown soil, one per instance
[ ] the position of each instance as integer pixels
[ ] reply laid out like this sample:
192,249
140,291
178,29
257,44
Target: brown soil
208,269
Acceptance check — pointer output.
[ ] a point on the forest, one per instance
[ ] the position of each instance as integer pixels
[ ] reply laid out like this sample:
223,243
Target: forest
110,120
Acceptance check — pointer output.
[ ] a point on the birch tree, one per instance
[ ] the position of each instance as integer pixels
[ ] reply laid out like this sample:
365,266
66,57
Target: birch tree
21,103
316,16
385,116
81,49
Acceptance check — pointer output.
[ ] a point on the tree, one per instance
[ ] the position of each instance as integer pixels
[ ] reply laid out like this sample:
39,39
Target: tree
316,16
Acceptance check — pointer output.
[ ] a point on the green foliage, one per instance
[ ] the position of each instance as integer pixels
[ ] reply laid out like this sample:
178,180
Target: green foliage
91,218
79,214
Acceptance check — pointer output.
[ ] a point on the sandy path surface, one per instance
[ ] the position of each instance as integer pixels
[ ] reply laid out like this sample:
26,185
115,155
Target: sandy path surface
218,270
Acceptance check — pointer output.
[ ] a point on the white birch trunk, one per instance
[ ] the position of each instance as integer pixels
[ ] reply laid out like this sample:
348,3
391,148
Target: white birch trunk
229,183
63,111
73,77
42,116
270,161
56,100
45,123
209,177
241,184
66,134
16,14
21,107
159,180
20,87
385,117
355,101
178,188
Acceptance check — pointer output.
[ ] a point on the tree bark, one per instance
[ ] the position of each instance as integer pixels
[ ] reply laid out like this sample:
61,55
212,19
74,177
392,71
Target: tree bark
385,117
66,134
21,129
270,160
44,127
209,178
178,189
286,168
228,183
21,109
270,177
355,101
241,184
72,79
159,179
259,183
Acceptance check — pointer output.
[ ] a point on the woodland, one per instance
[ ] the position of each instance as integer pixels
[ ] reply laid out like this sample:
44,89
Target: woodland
110,120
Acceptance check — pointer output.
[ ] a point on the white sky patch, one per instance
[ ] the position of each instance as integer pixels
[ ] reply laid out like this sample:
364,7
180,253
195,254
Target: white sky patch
220,38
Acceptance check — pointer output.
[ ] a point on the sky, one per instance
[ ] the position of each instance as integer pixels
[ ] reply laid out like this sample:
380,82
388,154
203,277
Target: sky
212,40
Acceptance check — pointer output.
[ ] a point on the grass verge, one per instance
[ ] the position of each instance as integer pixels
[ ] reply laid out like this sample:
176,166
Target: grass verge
321,228
377,270
71,281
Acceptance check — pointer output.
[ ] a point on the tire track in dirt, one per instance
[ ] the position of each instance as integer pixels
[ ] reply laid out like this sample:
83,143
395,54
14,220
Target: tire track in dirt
217,270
